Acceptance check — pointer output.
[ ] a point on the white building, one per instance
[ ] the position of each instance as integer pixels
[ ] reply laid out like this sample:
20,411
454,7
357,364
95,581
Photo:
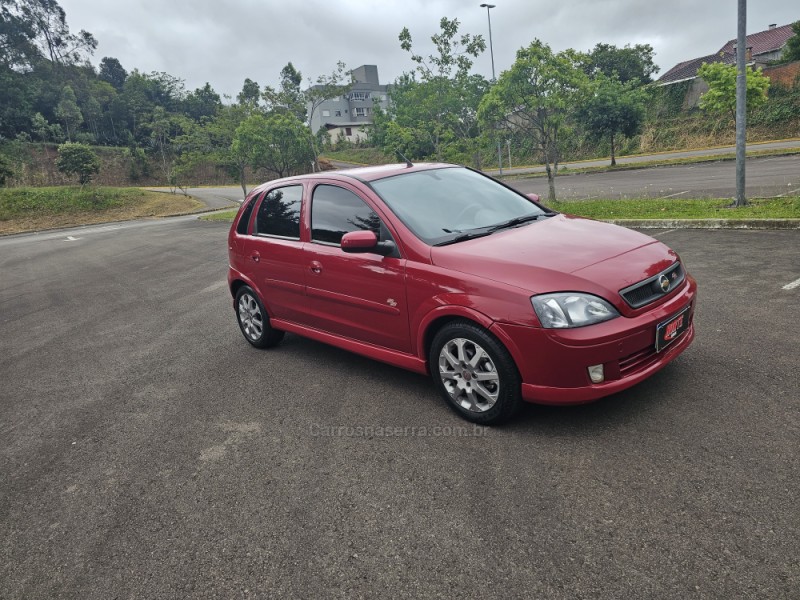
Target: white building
348,116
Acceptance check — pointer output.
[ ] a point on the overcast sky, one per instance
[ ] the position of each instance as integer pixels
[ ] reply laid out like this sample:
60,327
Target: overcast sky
224,41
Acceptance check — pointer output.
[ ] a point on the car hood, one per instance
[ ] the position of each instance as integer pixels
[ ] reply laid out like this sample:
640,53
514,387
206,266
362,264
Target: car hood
562,253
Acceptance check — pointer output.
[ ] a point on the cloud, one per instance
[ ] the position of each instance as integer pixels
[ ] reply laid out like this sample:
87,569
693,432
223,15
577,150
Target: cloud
223,43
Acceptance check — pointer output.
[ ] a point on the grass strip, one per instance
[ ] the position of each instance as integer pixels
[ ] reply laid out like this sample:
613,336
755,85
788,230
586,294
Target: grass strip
35,209
650,208
681,208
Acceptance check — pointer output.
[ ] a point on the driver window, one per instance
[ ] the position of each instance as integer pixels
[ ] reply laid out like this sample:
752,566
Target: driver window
336,211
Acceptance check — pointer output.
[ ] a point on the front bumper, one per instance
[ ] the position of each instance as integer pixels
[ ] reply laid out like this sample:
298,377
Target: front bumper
553,363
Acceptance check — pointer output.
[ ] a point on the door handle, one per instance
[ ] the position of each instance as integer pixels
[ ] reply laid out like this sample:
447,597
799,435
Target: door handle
255,256
316,268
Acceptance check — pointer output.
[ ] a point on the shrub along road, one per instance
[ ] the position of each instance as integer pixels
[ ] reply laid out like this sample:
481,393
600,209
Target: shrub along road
148,451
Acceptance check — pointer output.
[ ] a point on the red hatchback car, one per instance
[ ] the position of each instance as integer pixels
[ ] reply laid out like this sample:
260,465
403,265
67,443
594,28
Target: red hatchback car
440,269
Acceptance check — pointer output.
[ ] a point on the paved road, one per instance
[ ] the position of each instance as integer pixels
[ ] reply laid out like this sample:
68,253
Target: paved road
214,197
642,158
146,451
766,177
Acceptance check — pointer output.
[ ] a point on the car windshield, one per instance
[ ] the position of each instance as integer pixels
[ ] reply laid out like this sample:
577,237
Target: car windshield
452,204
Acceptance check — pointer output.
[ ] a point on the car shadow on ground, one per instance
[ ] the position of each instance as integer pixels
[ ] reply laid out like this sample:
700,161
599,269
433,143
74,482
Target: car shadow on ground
637,403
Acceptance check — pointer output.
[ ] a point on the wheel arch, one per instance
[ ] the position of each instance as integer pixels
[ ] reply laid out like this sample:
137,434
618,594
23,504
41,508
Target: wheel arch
440,317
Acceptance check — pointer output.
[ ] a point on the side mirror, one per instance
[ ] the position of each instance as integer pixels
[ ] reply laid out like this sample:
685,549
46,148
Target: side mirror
365,242
534,197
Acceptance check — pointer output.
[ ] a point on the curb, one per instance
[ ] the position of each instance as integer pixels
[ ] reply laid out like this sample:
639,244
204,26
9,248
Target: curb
755,224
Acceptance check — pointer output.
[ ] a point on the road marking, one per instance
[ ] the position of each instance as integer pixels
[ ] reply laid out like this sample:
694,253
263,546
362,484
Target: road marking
664,232
72,239
214,286
673,195
791,286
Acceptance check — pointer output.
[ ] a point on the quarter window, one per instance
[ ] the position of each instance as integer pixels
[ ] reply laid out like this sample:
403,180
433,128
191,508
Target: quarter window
336,211
242,228
279,213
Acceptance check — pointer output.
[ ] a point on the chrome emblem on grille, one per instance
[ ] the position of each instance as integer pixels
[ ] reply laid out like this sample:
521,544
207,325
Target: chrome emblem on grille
663,282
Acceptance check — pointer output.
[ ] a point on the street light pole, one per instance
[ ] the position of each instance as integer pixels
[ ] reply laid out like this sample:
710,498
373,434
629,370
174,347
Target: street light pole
741,103
488,8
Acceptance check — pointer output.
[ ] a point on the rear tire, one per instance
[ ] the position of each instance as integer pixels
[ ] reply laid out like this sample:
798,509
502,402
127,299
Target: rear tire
475,373
254,321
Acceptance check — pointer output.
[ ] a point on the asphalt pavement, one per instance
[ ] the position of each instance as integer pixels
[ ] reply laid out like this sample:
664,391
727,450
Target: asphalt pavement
147,451
645,158
765,177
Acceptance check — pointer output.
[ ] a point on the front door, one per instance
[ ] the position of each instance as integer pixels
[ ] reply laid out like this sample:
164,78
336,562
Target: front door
357,296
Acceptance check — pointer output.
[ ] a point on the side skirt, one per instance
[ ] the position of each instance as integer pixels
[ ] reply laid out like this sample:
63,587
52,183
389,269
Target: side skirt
393,357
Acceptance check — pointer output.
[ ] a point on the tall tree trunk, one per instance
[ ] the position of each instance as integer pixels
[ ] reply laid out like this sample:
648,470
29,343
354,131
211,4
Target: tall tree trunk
243,180
613,158
551,172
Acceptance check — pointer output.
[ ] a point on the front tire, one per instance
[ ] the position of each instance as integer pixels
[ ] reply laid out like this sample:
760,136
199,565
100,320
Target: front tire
475,373
254,321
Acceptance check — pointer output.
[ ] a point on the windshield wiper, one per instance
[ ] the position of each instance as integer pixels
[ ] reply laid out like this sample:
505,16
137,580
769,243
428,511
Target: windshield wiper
484,231
468,235
517,221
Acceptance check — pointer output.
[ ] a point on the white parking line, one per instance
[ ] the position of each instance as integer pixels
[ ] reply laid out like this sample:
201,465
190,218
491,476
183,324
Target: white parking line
214,286
663,232
673,195
791,286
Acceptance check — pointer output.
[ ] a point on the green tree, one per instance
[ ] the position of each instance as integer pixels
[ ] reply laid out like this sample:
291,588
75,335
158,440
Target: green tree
792,50
167,139
323,88
111,71
434,110
68,112
250,96
720,99
611,108
536,97
288,96
78,159
215,137
629,63
18,49
203,102
49,21
278,143
6,172
40,128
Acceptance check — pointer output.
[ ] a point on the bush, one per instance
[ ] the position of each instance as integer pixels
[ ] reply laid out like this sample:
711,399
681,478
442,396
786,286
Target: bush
78,159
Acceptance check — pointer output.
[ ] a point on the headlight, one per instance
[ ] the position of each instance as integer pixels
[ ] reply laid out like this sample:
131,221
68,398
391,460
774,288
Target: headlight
571,309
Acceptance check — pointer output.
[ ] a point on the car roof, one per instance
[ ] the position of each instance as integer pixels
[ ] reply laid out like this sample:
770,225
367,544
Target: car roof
381,171
365,174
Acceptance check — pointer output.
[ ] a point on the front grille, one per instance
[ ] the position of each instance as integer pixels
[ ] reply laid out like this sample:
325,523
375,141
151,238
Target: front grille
647,291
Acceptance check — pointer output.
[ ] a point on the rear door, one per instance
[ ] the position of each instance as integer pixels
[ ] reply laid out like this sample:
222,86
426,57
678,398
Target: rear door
357,296
275,252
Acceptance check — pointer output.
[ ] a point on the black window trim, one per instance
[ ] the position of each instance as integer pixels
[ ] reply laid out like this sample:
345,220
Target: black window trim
264,194
346,186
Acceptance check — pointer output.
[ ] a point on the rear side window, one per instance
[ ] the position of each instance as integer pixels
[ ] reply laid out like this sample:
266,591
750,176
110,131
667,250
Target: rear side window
336,211
279,213
244,222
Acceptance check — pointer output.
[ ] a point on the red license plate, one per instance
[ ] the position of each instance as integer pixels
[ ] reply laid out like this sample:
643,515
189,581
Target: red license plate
669,331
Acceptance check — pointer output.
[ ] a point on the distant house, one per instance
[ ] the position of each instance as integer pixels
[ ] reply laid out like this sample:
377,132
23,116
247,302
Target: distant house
762,48
349,115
